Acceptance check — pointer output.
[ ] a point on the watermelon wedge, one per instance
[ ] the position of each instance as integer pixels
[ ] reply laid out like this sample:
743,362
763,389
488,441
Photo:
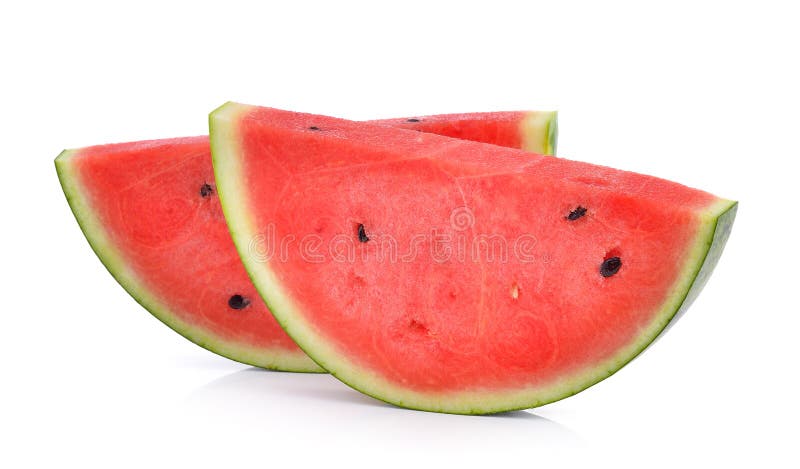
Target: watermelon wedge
151,213
454,276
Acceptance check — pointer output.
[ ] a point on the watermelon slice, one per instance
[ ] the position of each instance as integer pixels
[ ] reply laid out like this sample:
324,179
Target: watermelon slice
150,211
454,276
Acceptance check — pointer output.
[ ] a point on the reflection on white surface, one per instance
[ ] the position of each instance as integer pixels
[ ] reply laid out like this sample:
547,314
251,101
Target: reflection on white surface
318,404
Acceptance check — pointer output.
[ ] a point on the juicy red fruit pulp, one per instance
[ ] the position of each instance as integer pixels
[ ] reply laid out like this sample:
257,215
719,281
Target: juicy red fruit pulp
481,322
151,210
167,220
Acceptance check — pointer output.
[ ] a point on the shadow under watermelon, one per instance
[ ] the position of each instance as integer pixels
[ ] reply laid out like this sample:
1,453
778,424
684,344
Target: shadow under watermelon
256,395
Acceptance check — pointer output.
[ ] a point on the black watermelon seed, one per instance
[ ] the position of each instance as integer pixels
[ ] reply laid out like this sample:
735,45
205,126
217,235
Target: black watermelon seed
610,266
577,213
362,235
238,302
412,120
206,190
313,127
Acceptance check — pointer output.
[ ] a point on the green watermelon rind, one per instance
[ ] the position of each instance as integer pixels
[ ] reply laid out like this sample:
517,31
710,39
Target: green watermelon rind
552,134
114,261
539,132
713,230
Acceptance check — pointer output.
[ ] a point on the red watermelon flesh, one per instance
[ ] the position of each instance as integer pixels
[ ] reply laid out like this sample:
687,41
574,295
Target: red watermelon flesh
455,276
497,128
151,212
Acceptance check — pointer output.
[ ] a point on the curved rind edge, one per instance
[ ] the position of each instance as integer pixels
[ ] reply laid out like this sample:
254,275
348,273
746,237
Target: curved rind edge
723,224
114,262
539,132
714,228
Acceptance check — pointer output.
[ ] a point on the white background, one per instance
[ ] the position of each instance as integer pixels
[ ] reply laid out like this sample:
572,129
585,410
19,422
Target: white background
704,93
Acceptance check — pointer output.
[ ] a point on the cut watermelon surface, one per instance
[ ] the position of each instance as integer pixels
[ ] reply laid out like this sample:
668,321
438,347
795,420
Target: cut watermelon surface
151,213
536,132
454,276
